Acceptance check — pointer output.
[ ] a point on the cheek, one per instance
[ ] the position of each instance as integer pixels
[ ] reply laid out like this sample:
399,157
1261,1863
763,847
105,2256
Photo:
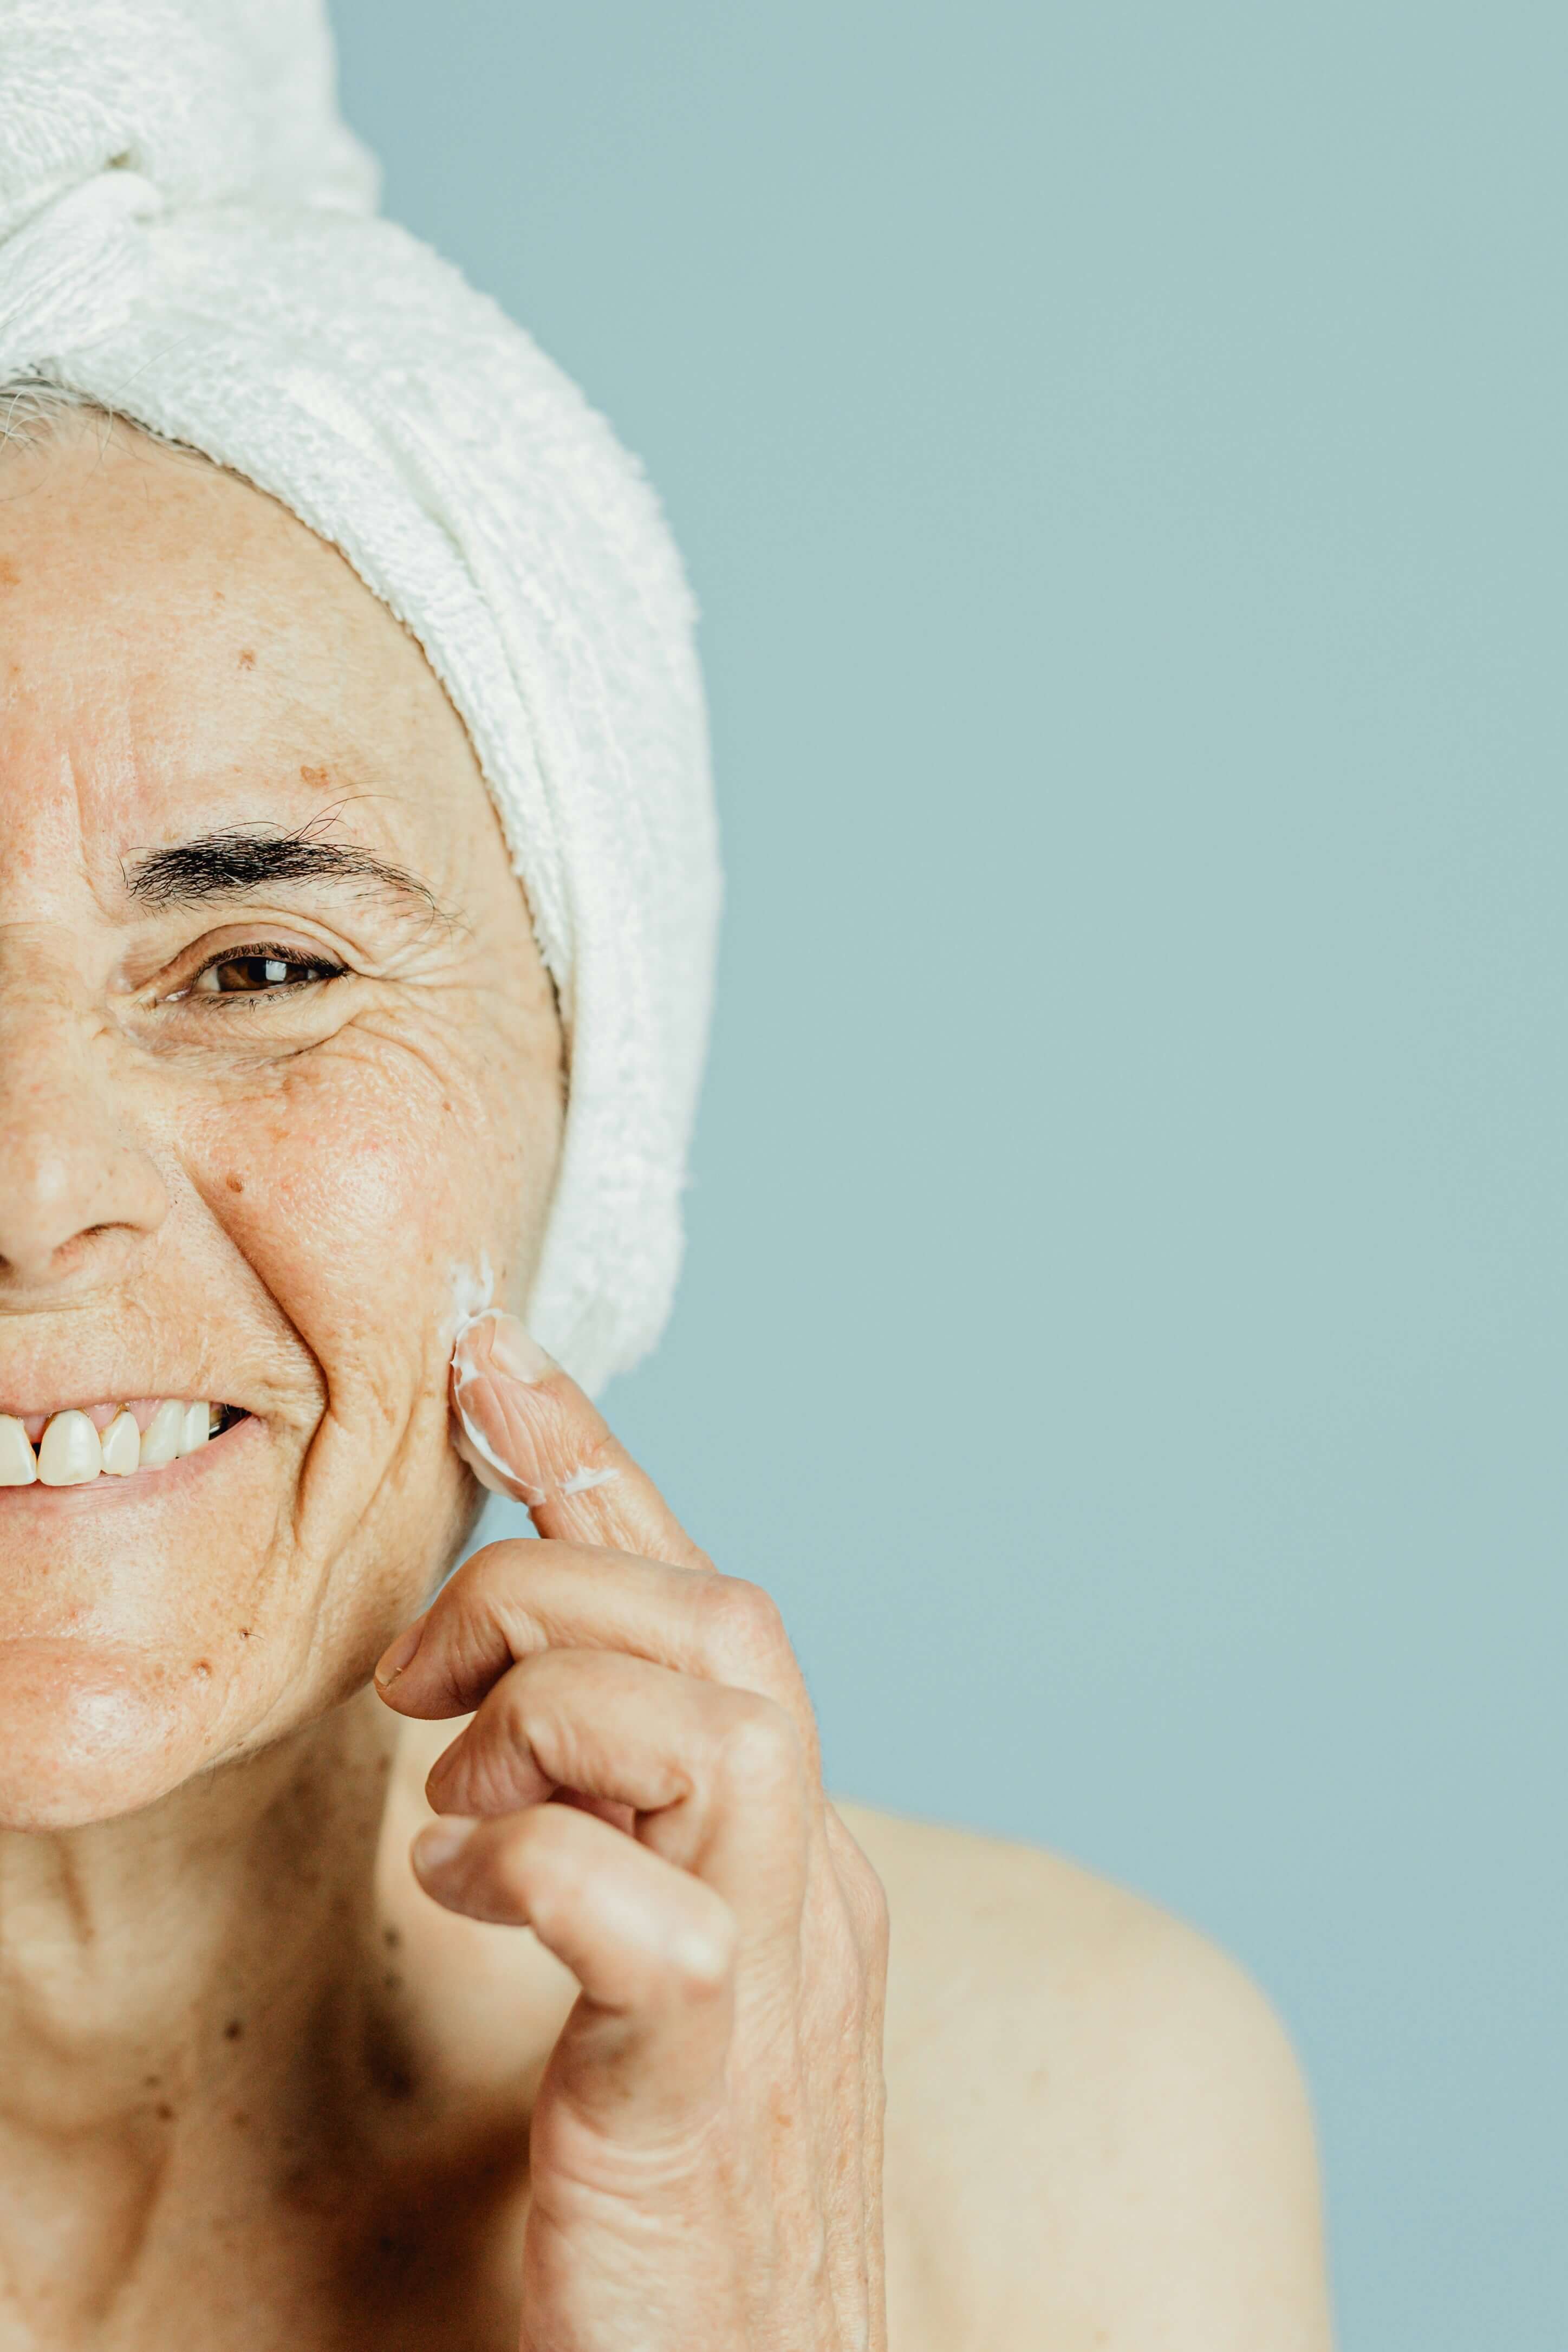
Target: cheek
350,1204
342,1192
352,1187
348,1191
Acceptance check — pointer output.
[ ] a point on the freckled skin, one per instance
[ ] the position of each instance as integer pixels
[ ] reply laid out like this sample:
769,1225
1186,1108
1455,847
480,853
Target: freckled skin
255,1201
228,2115
260,1201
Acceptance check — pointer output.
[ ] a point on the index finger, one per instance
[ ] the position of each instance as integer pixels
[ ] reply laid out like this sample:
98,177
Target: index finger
528,1431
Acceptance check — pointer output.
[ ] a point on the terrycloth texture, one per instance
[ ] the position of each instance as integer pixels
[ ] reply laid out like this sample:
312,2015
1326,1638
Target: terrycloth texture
187,235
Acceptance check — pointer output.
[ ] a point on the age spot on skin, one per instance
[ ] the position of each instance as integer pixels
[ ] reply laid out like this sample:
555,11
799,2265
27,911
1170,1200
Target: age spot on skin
9,575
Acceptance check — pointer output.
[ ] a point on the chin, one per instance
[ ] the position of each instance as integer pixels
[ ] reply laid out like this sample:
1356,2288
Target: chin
95,1731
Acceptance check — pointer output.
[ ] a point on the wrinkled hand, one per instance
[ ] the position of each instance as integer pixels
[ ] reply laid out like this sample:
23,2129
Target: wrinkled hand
705,2153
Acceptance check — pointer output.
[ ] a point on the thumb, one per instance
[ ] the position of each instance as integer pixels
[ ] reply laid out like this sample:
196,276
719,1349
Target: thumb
526,1430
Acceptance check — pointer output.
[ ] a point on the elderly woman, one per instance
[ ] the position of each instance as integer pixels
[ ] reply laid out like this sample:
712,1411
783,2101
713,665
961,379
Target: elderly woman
356,908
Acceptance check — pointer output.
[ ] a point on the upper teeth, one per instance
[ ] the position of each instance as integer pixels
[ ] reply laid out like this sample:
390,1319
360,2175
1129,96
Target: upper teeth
73,1450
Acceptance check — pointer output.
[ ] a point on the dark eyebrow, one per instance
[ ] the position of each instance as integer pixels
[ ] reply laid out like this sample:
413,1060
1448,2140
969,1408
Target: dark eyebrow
250,857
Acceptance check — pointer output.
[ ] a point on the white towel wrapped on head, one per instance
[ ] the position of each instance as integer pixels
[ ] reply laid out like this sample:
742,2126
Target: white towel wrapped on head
188,237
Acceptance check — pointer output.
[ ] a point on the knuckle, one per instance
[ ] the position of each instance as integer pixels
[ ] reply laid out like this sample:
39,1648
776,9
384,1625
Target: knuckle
499,1593
484,1575
743,1619
697,1964
557,1686
477,1619
545,1702
757,1746
579,1457
538,1677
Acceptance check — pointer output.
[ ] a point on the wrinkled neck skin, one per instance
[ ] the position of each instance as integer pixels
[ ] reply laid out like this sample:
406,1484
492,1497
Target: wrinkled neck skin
190,1950
281,1099
219,1954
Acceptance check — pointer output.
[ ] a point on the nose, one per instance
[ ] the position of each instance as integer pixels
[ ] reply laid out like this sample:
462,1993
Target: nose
77,1193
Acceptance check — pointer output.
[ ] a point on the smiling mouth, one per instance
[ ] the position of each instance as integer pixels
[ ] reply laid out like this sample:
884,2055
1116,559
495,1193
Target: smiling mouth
105,1441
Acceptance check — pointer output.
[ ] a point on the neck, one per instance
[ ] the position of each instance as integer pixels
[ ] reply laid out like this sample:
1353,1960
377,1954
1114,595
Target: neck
158,1943
177,1986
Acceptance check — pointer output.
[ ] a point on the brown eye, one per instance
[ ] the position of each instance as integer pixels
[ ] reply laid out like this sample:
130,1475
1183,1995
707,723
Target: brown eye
260,971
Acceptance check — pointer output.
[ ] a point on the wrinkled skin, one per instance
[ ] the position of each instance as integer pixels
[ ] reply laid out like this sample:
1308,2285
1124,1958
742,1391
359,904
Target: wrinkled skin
706,2144
257,1198
217,2100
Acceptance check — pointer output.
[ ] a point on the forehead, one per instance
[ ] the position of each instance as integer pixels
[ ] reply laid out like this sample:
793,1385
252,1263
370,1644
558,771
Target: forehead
170,635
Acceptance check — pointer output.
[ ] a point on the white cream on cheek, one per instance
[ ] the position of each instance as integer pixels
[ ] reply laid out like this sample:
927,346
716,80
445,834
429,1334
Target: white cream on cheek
473,1296
473,1292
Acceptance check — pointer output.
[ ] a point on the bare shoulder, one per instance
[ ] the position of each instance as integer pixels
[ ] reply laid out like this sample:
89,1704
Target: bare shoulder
1097,2131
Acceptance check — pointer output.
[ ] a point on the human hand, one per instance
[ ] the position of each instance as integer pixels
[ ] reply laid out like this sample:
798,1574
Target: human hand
705,2147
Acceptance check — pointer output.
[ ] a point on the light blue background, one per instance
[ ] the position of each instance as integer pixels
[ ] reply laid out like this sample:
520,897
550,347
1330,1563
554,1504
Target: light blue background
1118,448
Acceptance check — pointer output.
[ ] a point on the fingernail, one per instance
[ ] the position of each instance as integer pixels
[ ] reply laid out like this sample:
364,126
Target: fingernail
400,1653
515,1348
442,1843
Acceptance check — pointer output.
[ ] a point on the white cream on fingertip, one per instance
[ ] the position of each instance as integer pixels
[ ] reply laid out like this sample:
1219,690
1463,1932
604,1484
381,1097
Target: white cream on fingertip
471,1448
582,1482
473,1294
487,1466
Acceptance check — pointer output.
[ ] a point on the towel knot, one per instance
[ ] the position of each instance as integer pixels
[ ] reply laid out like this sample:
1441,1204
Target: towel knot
71,274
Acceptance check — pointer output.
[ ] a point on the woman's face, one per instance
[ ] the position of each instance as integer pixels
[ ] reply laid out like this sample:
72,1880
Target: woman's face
279,1065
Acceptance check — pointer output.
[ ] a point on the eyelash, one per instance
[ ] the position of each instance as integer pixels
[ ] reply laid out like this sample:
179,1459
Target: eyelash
320,969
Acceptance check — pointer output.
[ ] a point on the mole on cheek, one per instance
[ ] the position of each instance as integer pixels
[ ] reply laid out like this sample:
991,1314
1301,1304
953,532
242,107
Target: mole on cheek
236,1183
247,660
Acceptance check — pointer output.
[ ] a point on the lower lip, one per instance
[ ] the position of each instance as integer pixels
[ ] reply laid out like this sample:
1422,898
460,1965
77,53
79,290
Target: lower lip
142,1487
